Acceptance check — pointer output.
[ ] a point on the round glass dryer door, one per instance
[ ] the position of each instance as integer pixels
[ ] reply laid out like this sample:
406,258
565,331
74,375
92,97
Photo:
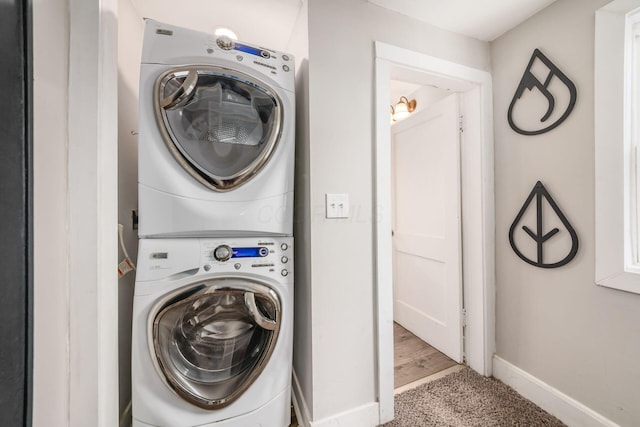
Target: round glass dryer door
222,126
213,339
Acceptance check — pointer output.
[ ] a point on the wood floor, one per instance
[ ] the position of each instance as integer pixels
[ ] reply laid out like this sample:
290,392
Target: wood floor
414,359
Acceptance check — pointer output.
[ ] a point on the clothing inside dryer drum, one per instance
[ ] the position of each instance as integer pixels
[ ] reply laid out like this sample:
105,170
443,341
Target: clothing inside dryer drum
213,340
223,126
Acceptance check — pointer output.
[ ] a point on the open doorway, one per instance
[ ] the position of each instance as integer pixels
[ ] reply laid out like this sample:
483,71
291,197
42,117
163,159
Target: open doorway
416,361
476,201
426,233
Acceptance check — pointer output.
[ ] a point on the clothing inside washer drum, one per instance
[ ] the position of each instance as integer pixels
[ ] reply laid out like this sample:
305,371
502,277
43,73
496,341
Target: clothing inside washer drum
222,115
209,346
223,126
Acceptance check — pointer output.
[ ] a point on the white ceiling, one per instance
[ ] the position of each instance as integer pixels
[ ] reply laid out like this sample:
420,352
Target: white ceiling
266,23
269,23
481,19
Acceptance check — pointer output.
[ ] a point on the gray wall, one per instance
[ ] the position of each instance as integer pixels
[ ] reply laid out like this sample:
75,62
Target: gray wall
16,213
556,324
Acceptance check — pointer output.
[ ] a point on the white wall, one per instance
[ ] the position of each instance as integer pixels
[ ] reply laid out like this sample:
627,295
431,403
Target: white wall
340,278
51,309
556,324
130,31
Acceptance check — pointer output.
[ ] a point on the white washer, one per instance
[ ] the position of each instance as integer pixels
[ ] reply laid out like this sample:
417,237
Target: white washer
216,136
212,333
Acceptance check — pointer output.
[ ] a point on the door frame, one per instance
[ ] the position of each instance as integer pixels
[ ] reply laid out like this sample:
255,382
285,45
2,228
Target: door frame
92,191
478,209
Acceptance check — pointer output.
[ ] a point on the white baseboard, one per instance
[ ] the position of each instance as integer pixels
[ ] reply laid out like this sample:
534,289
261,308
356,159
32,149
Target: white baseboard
558,404
362,416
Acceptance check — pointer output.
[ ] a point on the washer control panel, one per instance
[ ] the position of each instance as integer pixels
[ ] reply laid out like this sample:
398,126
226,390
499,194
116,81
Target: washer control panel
267,256
224,252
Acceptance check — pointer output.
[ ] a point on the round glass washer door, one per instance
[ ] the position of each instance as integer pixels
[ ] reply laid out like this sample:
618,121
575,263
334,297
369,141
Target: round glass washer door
222,126
212,340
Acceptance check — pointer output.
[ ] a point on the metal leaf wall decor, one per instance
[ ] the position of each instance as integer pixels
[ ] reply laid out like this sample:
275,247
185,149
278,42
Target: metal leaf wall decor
539,236
540,79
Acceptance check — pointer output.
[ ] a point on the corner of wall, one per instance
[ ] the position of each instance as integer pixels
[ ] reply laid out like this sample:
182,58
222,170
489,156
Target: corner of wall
130,33
302,359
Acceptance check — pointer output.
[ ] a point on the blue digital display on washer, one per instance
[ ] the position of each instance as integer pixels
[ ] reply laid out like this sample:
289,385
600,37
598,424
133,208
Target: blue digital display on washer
248,49
249,252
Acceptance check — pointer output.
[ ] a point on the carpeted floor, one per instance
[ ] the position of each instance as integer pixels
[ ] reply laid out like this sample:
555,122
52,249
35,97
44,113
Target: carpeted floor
465,399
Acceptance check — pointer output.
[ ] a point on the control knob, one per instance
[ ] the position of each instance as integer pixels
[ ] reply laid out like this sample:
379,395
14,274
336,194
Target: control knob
225,42
222,253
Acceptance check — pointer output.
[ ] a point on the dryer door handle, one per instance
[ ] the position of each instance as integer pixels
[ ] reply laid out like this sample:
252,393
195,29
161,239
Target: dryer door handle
254,312
183,91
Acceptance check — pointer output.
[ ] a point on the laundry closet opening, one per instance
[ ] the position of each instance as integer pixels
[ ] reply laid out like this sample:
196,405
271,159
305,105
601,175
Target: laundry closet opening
426,232
211,127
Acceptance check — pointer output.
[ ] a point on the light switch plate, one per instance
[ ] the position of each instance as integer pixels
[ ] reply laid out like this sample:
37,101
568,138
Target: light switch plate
337,205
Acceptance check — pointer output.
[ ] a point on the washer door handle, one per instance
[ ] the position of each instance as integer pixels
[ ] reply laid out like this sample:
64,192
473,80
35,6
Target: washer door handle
263,322
183,91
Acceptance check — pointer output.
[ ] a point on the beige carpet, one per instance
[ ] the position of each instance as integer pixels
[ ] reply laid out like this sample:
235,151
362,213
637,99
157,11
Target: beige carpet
465,399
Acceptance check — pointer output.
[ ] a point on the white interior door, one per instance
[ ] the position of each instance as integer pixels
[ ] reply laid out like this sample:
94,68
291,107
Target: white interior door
427,233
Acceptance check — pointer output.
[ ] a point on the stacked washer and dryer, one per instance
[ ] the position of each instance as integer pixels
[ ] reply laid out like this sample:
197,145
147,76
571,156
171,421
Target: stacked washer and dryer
213,303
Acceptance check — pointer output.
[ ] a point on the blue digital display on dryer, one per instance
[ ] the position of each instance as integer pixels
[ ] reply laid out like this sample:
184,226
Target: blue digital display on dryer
256,252
248,49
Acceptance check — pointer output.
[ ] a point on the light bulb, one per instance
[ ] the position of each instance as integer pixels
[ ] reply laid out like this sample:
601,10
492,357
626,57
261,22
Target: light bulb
223,31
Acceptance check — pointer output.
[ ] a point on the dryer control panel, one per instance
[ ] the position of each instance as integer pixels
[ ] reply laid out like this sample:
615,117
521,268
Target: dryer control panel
169,44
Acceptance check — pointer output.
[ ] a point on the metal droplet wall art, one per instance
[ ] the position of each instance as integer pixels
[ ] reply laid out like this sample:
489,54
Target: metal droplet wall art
550,95
540,236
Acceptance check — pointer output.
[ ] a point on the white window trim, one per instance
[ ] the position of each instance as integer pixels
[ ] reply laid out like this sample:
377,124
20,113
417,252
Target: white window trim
615,266
633,38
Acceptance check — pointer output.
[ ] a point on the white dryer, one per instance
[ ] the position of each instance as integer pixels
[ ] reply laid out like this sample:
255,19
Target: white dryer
212,333
216,136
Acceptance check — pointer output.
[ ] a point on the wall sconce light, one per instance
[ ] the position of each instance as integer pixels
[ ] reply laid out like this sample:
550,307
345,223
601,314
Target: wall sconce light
403,108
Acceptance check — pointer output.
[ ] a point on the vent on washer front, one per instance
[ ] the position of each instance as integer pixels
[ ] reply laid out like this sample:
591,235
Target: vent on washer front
265,65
